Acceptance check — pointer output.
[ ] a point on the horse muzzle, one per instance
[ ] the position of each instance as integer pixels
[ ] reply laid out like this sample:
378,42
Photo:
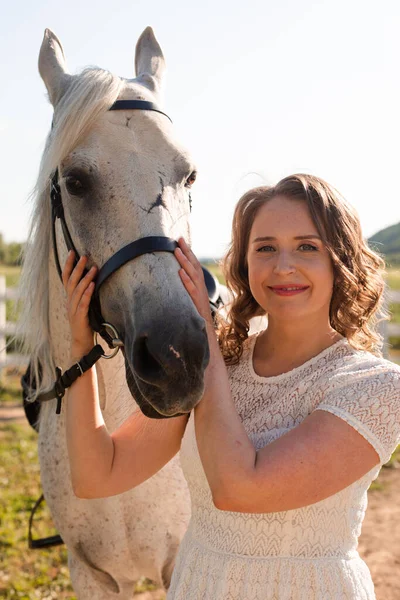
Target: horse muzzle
165,364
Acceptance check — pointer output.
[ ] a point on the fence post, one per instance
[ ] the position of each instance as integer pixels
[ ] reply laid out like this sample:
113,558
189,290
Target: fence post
3,353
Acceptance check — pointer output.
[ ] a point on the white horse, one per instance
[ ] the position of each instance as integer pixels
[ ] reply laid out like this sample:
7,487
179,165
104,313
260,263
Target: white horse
122,177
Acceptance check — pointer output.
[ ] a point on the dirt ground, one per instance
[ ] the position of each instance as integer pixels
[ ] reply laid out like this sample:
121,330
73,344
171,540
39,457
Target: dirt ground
379,543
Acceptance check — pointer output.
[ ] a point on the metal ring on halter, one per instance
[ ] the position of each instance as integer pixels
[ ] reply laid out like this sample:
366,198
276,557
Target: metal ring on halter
117,342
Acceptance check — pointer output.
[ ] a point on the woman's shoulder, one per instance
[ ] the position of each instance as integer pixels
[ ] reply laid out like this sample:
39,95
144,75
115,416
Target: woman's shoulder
361,360
365,392
359,368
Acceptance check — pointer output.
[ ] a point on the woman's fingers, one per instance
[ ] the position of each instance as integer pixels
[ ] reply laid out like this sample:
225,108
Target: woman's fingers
82,307
189,255
71,272
186,264
192,277
76,275
189,262
188,283
81,289
74,280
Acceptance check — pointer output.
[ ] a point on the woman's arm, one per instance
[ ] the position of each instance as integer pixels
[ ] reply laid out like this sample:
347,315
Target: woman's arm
102,464
318,458
313,461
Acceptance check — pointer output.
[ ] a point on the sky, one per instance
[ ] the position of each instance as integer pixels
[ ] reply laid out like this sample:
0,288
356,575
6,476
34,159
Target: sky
257,90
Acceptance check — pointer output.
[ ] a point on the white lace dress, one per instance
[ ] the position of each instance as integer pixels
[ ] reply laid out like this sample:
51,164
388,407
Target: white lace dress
303,554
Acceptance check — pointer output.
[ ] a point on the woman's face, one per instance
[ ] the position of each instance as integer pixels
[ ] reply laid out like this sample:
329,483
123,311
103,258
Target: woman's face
290,270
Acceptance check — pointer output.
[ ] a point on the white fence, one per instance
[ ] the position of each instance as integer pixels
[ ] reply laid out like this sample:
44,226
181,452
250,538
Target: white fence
7,328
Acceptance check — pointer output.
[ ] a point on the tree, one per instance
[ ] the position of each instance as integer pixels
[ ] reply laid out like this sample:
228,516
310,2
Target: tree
13,254
10,254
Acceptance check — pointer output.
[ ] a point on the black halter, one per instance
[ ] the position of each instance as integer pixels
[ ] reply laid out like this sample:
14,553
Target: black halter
141,246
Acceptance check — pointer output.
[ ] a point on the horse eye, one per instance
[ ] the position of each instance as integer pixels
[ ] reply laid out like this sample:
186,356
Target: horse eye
191,179
76,185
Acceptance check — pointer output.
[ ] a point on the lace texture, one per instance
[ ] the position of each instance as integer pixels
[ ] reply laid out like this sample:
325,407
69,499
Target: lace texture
308,553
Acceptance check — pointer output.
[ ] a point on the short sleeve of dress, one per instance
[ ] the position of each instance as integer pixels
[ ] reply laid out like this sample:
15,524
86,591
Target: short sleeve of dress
368,399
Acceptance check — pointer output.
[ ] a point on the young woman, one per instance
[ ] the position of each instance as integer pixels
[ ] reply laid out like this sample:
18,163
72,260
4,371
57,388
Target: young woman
295,422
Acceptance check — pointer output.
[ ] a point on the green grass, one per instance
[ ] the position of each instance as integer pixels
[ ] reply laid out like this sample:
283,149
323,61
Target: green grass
394,310
24,573
10,387
393,279
12,275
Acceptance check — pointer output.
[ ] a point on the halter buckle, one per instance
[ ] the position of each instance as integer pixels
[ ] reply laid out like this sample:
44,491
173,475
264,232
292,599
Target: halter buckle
116,341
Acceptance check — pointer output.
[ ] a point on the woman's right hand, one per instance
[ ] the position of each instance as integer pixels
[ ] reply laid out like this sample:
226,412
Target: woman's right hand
79,293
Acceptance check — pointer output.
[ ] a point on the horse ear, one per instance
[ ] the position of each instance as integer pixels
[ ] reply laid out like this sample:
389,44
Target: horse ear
52,67
149,61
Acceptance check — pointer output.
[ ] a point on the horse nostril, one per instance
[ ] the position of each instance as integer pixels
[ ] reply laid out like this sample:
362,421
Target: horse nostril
146,365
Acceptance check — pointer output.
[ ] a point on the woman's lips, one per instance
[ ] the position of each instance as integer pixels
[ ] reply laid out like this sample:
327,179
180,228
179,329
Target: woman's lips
288,290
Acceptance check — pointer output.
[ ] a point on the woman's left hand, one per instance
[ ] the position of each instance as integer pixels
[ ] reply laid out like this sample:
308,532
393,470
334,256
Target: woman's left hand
192,278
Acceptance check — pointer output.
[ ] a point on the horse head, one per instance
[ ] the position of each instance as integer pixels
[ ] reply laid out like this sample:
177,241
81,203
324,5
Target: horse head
123,176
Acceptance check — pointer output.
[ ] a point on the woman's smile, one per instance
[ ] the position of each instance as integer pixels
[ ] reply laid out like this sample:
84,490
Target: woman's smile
288,289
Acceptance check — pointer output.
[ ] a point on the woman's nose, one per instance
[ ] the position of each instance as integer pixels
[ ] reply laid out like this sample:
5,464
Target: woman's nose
284,263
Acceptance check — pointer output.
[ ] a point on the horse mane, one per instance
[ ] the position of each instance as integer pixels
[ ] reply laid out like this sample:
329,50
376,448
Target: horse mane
89,94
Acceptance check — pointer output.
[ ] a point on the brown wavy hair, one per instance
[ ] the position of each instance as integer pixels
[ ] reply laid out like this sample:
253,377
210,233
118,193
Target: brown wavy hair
358,271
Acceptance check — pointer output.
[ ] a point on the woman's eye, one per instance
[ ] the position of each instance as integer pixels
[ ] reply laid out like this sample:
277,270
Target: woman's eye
265,249
308,247
191,179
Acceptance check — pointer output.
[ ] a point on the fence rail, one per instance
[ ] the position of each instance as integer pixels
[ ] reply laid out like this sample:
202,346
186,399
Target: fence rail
8,328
